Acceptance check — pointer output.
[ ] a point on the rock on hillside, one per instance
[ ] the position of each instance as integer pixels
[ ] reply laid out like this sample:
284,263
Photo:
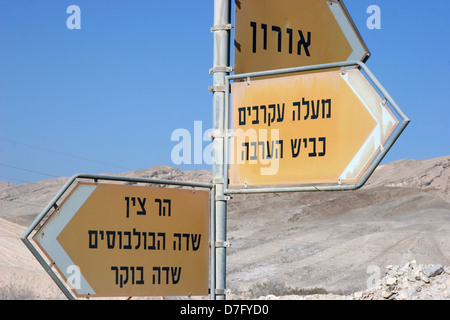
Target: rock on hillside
430,174
412,281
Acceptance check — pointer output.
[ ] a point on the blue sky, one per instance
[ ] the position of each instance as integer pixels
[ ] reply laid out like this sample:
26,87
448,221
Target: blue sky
106,98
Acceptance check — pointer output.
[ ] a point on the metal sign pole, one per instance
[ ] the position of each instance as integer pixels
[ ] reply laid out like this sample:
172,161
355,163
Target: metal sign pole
221,62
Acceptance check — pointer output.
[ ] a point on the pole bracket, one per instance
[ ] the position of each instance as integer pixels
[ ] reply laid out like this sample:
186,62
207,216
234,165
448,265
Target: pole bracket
220,69
216,88
222,27
222,291
217,180
222,244
222,198
221,133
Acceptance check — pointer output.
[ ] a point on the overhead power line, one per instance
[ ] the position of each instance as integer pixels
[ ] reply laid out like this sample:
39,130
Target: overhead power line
28,170
64,154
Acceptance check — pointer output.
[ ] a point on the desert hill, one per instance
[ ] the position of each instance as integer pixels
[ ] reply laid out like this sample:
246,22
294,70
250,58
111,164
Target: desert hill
328,240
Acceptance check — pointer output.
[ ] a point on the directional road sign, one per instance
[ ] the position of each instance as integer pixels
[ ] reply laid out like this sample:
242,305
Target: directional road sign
310,129
127,240
273,34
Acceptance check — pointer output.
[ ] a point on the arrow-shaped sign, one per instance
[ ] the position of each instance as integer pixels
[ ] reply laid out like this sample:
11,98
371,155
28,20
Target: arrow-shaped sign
125,240
310,129
290,33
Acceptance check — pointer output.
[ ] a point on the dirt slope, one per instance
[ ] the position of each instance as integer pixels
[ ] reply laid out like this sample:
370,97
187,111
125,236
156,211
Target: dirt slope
330,239
21,276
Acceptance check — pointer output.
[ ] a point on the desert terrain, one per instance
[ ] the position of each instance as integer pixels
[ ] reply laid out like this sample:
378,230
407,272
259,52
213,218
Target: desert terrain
347,245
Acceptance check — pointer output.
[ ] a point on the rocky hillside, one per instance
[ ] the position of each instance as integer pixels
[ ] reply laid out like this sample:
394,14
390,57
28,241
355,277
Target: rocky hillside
330,239
335,241
413,281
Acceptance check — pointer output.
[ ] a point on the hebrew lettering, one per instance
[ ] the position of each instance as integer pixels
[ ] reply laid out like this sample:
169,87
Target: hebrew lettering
271,113
187,241
164,207
312,109
133,201
166,275
262,150
314,147
130,275
262,41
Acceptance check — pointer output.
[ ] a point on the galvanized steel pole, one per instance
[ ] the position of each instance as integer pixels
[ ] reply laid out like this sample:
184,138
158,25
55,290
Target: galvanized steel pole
221,67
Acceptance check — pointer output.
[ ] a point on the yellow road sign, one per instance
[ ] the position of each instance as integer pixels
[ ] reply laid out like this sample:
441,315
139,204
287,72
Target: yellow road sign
291,33
310,129
126,240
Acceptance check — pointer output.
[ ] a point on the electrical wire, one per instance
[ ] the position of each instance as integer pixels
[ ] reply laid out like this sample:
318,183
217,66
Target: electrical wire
55,152
28,170
64,154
